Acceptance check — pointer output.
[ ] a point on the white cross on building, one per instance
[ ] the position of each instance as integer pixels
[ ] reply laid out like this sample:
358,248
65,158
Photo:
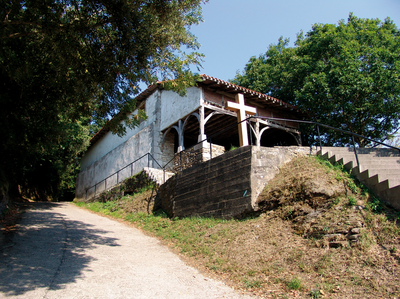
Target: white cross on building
241,109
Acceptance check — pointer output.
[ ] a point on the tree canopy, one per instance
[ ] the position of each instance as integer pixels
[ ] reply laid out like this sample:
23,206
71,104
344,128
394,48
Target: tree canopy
64,63
345,75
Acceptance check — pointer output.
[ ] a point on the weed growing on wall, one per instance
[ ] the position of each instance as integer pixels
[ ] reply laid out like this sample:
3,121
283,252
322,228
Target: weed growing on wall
135,184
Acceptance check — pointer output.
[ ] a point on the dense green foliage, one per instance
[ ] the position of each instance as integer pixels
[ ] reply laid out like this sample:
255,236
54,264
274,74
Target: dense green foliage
65,64
345,75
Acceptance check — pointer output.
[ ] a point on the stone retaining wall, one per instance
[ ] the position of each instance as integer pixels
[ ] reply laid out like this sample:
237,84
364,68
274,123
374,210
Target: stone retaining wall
196,155
226,186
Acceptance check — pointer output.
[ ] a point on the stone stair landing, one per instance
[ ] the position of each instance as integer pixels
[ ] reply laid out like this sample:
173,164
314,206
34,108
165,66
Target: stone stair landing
379,169
157,175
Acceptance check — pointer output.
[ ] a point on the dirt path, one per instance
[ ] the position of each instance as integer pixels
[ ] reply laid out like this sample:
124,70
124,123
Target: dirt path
61,251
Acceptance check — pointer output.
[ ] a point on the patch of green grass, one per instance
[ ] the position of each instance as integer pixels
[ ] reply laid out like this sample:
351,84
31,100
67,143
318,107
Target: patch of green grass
295,284
295,256
315,293
341,174
374,204
336,201
366,240
352,185
251,284
232,148
110,208
325,262
144,189
352,200
302,266
80,204
93,206
187,233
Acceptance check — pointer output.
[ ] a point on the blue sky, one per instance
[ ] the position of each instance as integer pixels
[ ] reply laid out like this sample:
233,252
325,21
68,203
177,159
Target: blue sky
235,30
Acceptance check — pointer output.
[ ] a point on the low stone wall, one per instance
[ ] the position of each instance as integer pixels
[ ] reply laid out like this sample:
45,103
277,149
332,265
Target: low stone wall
195,155
219,187
226,186
128,186
266,162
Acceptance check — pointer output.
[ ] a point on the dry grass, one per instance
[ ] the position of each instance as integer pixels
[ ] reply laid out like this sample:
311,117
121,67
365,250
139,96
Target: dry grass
284,253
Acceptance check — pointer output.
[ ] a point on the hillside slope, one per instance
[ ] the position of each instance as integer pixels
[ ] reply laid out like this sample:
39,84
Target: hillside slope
317,235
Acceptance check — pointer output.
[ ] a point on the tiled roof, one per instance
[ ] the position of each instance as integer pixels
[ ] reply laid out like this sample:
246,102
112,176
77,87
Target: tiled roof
248,93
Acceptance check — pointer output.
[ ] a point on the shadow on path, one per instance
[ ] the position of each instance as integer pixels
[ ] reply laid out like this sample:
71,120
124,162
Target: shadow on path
47,250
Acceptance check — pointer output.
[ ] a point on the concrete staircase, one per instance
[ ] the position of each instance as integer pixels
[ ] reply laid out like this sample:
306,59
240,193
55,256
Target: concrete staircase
157,175
379,169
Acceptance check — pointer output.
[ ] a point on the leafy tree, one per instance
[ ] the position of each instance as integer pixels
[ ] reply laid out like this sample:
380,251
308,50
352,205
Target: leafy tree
65,63
345,75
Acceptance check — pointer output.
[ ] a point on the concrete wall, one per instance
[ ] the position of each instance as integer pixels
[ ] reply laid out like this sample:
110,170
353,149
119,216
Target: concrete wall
111,141
111,153
265,164
122,155
175,107
219,99
226,186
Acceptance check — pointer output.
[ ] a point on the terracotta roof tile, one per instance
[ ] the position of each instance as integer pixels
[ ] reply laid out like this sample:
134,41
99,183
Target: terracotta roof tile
271,101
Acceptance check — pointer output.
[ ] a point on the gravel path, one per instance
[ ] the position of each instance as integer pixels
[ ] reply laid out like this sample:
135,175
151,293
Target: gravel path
62,251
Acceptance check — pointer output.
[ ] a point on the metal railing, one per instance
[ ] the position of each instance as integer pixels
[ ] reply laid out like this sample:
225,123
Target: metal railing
318,125
208,139
148,155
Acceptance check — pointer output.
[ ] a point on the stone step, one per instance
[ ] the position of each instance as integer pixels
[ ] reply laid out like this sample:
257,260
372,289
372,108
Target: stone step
394,179
379,169
390,162
386,185
337,158
386,159
384,173
380,152
375,167
379,166
392,195
157,175
362,158
366,156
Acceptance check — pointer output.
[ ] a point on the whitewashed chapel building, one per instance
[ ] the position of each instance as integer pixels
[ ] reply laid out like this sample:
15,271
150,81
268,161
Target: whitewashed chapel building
176,123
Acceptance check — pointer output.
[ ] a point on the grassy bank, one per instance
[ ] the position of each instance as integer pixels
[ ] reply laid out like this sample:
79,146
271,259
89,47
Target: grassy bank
293,249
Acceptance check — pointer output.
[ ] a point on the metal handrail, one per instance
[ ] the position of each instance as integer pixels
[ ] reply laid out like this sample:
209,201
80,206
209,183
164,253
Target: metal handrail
331,128
326,126
209,138
117,173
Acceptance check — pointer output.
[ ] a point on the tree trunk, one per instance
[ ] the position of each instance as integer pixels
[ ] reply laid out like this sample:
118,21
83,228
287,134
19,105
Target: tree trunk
4,200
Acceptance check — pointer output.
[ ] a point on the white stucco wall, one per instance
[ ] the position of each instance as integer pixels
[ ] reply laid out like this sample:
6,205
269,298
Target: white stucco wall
175,107
111,141
124,154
